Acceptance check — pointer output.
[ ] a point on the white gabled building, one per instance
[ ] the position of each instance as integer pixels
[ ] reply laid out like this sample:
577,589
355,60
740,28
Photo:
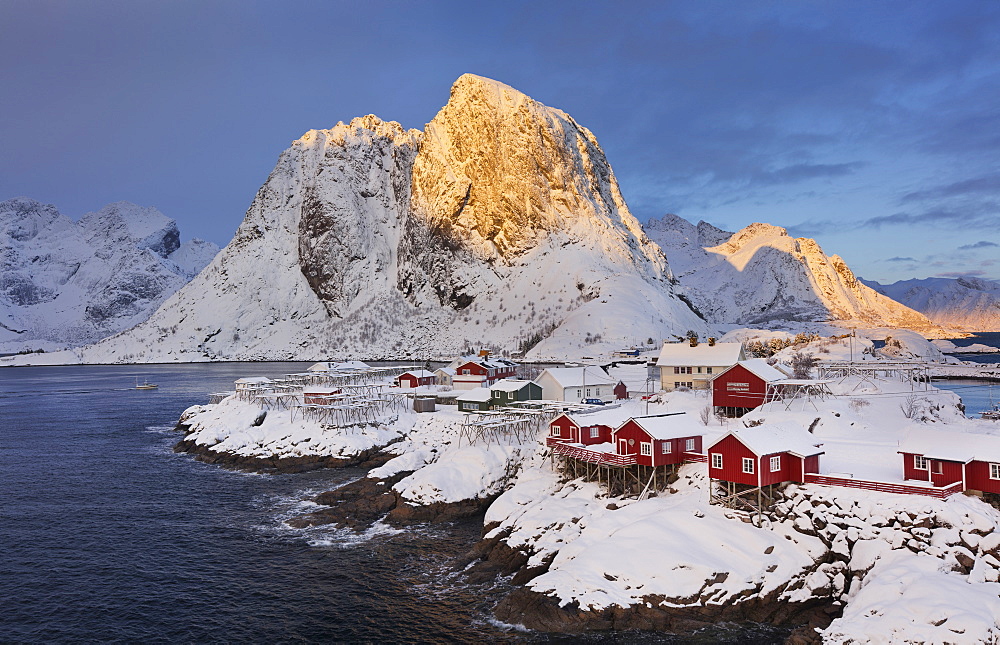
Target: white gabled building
578,383
694,366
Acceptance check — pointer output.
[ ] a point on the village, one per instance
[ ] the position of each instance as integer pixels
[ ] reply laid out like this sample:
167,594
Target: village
750,423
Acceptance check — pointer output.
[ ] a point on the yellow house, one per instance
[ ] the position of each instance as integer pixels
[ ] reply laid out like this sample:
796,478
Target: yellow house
694,365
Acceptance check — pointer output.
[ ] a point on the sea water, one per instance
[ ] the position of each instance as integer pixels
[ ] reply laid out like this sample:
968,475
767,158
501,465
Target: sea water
107,535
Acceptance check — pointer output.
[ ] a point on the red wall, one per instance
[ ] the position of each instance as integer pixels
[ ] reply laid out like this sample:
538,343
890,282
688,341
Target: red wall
568,431
732,462
621,391
977,477
604,434
951,472
631,430
909,472
753,397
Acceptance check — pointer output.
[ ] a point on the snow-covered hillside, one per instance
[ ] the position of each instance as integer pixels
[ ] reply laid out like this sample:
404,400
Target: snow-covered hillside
70,283
968,303
761,275
500,224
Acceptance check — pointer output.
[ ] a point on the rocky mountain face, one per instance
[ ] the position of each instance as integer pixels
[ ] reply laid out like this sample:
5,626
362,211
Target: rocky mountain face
968,303
760,275
501,224
67,283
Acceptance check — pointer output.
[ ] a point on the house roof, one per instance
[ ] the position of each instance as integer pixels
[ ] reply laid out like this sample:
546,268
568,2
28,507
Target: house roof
611,417
418,373
772,439
665,427
962,447
579,376
450,371
475,395
329,366
255,379
320,389
682,354
510,385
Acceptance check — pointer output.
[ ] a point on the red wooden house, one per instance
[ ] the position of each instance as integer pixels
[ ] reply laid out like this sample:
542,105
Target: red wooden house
745,386
764,455
658,440
482,372
319,394
415,378
944,458
585,429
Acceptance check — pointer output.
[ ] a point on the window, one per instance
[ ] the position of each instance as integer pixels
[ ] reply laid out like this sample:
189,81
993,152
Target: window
597,392
677,370
555,431
510,395
646,448
716,460
689,444
937,467
690,370
708,370
919,462
677,384
579,393
775,464
699,369
665,447
994,471
466,372
595,432
748,465
588,391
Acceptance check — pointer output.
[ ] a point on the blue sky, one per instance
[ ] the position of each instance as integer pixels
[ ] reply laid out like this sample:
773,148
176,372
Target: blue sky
873,127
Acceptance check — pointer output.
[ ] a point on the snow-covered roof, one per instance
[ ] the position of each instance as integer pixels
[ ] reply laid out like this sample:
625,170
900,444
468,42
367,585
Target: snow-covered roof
330,366
579,376
952,446
771,439
611,417
509,385
418,373
665,427
760,368
320,389
475,395
682,354
251,380
450,371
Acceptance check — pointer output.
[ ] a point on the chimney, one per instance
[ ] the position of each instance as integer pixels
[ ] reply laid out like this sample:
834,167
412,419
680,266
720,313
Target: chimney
484,353
693,340
711,341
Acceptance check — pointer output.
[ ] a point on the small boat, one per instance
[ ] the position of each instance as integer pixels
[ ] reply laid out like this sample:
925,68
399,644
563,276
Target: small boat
993,412
145,385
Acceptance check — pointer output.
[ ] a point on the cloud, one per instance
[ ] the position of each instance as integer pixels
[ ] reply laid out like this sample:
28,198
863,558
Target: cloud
961,274
803,172
899,259
988,185
980,215
981,244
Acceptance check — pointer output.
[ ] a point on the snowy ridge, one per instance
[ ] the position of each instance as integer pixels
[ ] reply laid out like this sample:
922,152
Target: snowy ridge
373,241
968,303
760,274
69,283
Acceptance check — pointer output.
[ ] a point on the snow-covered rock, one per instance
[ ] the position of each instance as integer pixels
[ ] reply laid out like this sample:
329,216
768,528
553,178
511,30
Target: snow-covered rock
68,283
967,303
760,275
501,222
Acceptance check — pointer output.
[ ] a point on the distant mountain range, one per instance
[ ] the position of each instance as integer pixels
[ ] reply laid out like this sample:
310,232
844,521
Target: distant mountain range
500,224
760,275
67,283
967,303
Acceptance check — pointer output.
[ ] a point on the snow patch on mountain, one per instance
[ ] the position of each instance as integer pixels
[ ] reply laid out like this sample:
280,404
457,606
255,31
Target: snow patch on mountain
967,303
68,283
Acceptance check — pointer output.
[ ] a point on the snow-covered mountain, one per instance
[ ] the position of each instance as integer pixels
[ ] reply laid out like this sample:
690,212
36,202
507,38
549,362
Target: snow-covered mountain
67,283
760,275
967,303
500,224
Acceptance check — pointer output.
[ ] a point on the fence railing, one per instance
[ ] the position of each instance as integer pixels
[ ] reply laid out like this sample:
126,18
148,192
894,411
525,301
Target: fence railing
942,492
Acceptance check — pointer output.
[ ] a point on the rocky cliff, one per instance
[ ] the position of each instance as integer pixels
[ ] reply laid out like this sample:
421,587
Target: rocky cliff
500,224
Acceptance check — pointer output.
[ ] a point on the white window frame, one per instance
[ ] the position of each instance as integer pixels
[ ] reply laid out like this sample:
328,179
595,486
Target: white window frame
748,467
689,445
994,471
775,463
595,432
717,460
665,448
645,449
937,467
920,462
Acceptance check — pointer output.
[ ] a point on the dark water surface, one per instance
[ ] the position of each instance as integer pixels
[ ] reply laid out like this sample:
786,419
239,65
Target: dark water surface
107,535
991,338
